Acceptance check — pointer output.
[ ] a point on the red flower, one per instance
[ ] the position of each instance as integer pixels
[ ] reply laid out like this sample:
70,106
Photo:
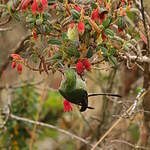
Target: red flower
24,4
34,7
81,27
100,2
44,4
95,14
19,68
34,33
122,2
13,65
80,67
67,106
54,5
104,37
16,57
77,8
86,64
120,30
40,6
71,25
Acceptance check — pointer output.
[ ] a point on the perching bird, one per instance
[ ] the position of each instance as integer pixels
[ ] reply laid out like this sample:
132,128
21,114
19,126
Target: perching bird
74,89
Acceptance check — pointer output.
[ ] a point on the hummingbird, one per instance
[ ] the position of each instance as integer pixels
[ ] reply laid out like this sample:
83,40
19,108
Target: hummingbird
74,89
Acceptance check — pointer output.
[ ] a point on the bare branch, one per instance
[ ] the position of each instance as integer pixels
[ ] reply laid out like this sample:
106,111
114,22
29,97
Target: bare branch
115,124
73,136
129,144
5,29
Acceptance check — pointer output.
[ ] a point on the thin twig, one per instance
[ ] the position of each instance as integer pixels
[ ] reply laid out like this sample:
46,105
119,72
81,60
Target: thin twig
129,144
5,29
144,23
6,21
73,136
115,124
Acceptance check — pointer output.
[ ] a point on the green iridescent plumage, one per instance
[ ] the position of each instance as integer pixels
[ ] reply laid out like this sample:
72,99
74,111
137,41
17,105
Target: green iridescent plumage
74,89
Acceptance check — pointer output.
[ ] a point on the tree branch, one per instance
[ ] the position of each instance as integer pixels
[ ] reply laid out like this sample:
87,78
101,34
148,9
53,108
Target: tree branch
52,127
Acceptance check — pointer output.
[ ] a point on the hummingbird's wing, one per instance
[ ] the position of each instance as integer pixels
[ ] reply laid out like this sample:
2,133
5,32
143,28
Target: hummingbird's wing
82,89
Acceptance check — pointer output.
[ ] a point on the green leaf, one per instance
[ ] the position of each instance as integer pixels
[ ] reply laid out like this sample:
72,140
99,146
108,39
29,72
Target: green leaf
112,51
107,22
75,14
54,42
105,52
93,5
109,32
64,36
121,22
89,53
113,60
57,56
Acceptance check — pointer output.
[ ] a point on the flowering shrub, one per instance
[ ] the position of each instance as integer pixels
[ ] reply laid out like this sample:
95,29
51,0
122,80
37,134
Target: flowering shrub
78,35
73,31
73,37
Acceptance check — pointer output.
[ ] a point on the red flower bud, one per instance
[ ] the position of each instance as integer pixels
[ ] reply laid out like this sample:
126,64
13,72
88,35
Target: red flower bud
104,37
77,8
120,30
122,2
24,4
67,106
44,4
86,64
100,2
95,14
19,68
71,25
13,65
34,6
81,27
79,67
16,56
34,33
54,5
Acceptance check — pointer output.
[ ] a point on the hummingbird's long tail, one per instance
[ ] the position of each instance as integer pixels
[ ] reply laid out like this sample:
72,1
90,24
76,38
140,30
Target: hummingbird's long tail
105,94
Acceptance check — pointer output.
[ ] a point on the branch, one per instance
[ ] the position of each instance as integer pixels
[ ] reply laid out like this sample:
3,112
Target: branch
6,21
144,23
116,123
5,29
51,127
135,58
129,144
